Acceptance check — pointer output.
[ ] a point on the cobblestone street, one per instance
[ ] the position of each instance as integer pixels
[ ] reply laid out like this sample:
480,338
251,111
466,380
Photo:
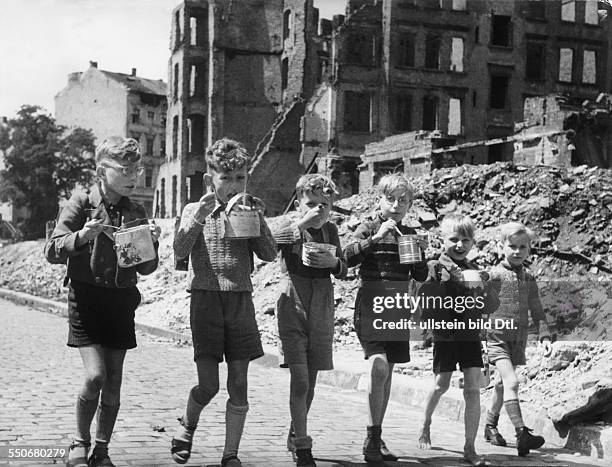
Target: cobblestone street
41,376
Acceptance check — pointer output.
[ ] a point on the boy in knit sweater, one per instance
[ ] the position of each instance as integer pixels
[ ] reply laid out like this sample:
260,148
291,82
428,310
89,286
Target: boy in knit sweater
376,249
456,294
305,308
518,295
222,313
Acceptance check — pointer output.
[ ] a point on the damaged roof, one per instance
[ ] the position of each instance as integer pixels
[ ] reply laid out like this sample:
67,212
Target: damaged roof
137,84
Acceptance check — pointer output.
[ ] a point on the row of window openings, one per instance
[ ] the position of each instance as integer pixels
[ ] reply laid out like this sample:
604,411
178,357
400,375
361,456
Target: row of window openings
149,146
358,118
136,118
197,81
536,61
537,9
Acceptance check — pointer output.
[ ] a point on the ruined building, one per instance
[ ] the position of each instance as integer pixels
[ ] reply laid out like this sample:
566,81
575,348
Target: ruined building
304,94
112,104
235,70
460,68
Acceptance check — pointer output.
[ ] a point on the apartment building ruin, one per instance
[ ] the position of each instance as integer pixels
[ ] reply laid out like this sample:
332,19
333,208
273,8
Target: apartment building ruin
112,104
309,94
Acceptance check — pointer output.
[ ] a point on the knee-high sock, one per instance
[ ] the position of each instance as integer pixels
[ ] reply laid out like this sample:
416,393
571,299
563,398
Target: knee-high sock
191,418
107,415
514,412
235,416
492,418
85,411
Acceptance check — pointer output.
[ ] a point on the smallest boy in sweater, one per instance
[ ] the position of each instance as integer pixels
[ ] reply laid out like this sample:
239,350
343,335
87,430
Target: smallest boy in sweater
222,314
305,307
518,295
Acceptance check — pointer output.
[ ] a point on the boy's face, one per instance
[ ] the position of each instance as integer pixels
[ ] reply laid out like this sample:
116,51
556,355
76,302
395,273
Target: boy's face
457,245
120,177
516,249
228,183
310,200
394,205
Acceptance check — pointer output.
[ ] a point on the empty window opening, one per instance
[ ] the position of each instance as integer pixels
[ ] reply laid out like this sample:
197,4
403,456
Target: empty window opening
499,92
149,147
175,81
197,80
406,49
361,50
174,196
162,203
430,113
196,125
566,61
432,52
474,99
590,12
136,116
568,10
496,153
162,147
284,73
151,116
403,113
286,24
589,67
357,111
457,54
175,124
148,177
459,5
501,32
197,28
177,27
454,116
536,61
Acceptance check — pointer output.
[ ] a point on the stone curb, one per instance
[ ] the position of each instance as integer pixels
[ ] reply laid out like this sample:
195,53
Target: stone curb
591,440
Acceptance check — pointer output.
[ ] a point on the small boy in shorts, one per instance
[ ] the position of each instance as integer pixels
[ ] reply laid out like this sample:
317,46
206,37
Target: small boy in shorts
222,313
102,297
376,249
455,292
305,308
519,296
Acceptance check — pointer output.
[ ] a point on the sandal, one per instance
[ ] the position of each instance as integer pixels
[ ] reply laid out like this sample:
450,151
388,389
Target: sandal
180,450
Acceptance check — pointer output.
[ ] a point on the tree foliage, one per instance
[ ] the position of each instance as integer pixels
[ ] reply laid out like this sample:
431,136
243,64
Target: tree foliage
43,162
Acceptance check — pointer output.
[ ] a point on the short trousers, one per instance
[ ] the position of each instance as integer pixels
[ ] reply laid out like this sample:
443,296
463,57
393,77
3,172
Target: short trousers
511,350
447,354
305,313
396,351
223,324
101,315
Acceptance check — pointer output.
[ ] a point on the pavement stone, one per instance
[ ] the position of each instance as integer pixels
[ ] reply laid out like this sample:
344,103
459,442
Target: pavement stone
41,376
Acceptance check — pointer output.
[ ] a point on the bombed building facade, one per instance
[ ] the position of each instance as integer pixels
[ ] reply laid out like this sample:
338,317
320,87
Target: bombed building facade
351,97
110,104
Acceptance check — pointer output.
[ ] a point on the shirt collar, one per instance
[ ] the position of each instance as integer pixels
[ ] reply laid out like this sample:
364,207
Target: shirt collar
96,198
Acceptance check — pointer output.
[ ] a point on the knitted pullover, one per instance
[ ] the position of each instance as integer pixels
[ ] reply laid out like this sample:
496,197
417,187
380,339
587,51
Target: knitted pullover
380,261
220,263
518,295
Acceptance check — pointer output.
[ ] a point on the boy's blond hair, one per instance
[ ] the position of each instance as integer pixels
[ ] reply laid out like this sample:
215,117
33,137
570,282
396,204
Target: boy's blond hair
515,228
393,182
315,183
459,223
119,149
227,155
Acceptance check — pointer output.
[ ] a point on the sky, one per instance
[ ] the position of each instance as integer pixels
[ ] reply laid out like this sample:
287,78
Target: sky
41,41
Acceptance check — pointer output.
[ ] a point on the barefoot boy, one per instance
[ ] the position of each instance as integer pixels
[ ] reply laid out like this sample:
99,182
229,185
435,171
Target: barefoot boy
462,297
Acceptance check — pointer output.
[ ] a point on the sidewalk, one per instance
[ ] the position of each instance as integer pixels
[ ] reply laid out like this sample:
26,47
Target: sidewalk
349,375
